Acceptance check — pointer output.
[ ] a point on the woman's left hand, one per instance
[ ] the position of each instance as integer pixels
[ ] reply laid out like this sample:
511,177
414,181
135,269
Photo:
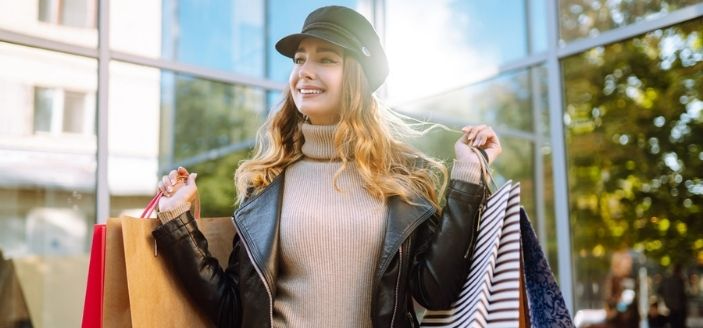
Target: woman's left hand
480,136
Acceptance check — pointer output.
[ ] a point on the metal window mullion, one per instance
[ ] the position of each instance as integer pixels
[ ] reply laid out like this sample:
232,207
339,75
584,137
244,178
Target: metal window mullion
537,107
561,201
41,43
102,190
538,173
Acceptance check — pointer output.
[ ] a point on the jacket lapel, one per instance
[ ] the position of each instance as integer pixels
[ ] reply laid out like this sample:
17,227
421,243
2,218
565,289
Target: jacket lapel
258,222
402,220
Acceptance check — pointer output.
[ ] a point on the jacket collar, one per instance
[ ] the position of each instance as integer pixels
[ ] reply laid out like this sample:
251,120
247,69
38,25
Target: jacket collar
258,222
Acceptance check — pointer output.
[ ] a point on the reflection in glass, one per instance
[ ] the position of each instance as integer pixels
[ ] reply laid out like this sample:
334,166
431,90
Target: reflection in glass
588,18
634,135
159,120
47,181
538,25
215,184
549,210
69,21
457,42
207,115
224,35
501,102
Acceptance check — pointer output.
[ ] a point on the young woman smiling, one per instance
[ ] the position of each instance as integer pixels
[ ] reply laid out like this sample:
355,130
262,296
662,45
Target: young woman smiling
339,221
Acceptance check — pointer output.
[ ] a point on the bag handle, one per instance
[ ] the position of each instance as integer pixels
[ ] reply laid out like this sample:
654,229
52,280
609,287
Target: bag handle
486,175
154,202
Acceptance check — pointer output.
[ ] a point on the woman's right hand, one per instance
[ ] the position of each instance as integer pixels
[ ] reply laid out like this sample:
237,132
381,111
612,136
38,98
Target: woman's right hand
178,187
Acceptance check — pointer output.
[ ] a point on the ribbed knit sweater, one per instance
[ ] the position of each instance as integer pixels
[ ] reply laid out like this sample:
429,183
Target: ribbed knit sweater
330,240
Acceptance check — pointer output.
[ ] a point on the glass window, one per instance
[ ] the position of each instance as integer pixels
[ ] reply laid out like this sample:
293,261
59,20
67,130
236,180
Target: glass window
504,101
75,13
47,178
588,18
457,42
160,120
69,21
538,25
218,34
634,136
287,17
57,111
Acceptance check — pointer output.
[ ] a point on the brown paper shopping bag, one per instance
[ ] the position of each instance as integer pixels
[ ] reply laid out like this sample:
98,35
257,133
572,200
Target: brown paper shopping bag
140,289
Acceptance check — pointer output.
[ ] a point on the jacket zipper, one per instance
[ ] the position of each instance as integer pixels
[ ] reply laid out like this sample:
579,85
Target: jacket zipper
481,207
397,283
258,271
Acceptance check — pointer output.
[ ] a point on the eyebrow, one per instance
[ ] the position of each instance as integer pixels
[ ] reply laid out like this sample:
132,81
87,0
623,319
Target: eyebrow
322,49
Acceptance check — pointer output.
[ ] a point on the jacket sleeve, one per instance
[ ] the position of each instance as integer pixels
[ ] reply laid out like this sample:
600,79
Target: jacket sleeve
445,245
214,290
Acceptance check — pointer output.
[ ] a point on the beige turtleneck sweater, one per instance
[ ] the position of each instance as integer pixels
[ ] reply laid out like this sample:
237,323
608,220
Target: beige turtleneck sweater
330,240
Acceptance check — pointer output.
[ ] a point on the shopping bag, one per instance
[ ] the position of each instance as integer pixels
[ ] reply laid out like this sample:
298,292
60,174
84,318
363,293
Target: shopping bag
490,296
544,299
93,304
153,296
136,287
510,283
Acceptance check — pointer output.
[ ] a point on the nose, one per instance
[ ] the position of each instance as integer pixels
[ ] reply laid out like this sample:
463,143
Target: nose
305,71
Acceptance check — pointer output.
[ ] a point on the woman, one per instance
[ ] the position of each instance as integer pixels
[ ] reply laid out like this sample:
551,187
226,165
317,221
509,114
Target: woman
339,223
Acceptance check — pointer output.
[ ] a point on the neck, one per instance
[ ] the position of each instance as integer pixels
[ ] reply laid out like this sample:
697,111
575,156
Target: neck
319,141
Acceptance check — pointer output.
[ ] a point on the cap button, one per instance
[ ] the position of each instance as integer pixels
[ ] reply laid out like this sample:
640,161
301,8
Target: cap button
366,51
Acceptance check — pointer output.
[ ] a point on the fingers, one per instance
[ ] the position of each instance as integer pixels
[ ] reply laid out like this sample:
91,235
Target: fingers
482,136
170,183
191,179
476,136
166,185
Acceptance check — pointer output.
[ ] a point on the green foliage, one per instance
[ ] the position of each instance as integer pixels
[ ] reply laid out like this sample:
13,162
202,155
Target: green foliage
211,115
634,129
216,184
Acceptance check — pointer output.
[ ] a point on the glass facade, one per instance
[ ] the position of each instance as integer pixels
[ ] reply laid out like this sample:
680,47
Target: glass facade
603,133
638,105
218,34
47,176
588,18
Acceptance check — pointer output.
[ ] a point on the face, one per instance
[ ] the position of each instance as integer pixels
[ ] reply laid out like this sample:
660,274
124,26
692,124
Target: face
316,80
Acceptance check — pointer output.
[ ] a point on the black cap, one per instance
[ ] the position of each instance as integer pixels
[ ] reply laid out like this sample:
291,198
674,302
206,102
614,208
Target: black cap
345,28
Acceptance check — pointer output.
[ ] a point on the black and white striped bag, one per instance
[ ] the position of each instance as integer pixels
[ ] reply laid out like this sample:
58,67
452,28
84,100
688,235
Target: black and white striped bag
490,296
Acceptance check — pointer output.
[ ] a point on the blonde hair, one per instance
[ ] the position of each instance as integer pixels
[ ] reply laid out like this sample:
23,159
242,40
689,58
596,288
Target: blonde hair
368,134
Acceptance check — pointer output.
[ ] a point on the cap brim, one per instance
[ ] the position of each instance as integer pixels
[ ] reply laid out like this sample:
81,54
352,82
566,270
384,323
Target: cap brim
288,45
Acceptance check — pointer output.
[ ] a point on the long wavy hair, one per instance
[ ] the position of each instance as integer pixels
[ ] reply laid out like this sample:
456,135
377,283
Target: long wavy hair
370,135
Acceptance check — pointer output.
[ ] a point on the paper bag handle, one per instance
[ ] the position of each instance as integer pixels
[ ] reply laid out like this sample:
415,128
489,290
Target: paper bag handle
154,202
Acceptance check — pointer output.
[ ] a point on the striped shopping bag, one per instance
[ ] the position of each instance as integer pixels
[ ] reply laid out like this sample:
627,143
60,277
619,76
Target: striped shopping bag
500,291
491,294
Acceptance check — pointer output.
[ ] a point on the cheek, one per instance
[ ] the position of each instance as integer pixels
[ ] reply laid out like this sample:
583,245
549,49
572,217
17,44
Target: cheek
335,78
293,78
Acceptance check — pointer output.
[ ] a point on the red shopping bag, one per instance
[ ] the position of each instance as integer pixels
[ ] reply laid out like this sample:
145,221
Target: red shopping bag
93,306
94,292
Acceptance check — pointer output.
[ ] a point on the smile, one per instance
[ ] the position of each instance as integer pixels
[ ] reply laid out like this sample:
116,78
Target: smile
310,91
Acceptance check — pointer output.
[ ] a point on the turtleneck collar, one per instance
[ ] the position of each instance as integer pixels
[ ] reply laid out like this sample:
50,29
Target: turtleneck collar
319,141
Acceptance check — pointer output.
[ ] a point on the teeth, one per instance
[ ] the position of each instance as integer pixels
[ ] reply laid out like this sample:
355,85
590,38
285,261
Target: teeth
310,91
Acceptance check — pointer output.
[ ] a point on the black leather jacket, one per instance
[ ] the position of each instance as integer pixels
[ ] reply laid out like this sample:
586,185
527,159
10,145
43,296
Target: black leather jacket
424,255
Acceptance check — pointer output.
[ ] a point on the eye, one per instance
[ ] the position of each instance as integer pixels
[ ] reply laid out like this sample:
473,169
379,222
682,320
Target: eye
298,60
326,60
